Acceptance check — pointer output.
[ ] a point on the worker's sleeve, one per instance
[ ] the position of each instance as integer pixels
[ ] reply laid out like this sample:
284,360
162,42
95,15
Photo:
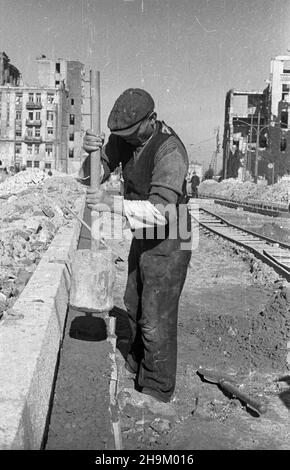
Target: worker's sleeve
170,169
111,155
142,214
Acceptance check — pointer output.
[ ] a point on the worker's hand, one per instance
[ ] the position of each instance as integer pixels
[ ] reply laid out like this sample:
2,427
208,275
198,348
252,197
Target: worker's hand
100,201
93,142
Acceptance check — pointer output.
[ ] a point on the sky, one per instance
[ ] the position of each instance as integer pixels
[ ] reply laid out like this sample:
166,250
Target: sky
186,53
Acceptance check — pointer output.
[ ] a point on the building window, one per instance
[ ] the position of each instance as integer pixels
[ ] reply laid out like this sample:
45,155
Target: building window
57,67
50,131
38,98
284,119
283,144
29,149
29,132
37,116
72,119
18,115
72,101
48,151
29,164
18,132
30,116
17,149
57,82
30,97
47,166
37,132
286,66
36,149
285,91
49,115
50,98
71,153
18,99
72,136
36,163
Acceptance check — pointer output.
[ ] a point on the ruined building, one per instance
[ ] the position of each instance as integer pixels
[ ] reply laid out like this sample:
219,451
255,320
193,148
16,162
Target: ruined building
263,113
9,74
244,110
41,126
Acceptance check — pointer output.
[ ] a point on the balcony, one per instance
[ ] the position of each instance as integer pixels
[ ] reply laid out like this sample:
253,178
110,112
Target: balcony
33,122
33,105
32,139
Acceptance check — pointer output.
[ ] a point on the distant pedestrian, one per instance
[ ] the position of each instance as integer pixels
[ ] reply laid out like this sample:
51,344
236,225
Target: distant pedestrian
195,181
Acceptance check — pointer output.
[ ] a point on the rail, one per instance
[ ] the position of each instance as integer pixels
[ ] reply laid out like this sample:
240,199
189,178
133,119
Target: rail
273,252
273,210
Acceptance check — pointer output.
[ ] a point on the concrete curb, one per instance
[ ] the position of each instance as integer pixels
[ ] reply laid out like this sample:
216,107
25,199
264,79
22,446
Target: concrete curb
30,343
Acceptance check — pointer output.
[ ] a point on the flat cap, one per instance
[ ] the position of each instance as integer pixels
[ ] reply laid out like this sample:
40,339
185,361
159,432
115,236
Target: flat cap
132,106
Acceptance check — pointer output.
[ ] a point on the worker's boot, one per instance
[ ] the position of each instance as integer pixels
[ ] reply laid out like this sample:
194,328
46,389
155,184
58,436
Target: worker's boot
147,403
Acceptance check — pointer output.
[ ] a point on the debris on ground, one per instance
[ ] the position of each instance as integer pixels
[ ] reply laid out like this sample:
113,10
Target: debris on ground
247,191
32,209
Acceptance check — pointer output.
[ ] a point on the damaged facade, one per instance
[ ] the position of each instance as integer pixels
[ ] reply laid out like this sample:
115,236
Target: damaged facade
8,72
263,114
41,126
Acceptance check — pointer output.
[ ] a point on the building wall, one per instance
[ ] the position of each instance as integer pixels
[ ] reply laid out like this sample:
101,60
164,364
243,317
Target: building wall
56,131
29,134
70,75
275,146
241,113
75,83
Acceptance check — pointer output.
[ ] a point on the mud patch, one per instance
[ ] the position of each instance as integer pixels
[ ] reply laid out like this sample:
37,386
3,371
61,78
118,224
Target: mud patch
250,339
233,317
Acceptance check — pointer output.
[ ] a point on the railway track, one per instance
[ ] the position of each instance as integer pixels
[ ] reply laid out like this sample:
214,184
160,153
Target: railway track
273,252
273,210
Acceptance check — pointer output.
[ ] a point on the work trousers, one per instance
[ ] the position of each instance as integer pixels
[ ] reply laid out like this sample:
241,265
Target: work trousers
194,191
156,274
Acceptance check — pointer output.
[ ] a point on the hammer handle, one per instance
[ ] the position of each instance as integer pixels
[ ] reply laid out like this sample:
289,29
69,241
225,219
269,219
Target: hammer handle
95,100
95,97
254,403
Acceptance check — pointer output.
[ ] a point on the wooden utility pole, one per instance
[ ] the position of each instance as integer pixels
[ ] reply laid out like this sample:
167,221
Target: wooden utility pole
226,160
257,148
215,153
249,155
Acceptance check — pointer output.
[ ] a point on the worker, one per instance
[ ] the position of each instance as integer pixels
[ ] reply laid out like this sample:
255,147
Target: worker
194,184
154,166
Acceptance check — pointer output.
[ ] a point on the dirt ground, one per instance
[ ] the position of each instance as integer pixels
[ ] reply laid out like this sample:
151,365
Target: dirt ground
233,317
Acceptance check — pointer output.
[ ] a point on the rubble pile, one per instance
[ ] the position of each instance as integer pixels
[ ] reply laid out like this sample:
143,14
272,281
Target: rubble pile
237,190
25,179
29,220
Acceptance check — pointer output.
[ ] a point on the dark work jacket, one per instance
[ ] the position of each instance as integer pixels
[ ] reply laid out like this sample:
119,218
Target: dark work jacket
138,177
137,173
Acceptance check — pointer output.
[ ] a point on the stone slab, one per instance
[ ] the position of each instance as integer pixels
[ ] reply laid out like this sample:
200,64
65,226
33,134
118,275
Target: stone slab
30,343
